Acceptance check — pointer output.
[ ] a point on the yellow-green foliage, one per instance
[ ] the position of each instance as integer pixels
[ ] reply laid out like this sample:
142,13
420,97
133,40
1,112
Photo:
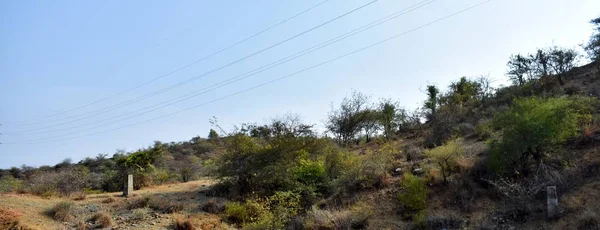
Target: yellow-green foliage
414,194
236,211
9,184
445,156
284,205
484,130
269,213
310,172
283,164
358,172
534,126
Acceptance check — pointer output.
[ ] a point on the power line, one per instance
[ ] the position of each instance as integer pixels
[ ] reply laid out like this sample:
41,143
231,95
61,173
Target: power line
272,81
247,74
174,71
143,97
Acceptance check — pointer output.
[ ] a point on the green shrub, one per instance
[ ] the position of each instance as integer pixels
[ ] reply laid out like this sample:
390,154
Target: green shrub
364,171
273,212
445,156
284,205
140,213
9,184
236,212
484,130
414,194
535,126
311,173
266,222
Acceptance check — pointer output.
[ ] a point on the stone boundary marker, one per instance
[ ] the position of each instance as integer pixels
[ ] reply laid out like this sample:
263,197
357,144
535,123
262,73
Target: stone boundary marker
128,186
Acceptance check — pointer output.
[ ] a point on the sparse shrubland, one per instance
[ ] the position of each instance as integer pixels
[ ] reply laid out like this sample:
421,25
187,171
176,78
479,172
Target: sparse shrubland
378,165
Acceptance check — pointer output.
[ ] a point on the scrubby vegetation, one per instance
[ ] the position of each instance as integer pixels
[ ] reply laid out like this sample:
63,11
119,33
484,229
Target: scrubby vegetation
61,211
467,143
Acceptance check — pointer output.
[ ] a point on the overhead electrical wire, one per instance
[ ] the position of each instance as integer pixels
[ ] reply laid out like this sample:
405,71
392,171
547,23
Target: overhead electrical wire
143,97
252,72
268,82
175,70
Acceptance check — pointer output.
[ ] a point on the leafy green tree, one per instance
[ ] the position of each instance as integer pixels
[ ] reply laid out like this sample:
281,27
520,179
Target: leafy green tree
593,46
266,165
550,61
370,122
346,122
562,60
213,135
533,127
541,62
520,69
463,92
139,164
432,100
391,117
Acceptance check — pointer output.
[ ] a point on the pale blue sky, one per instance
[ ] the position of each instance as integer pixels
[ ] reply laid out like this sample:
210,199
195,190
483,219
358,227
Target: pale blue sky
57,55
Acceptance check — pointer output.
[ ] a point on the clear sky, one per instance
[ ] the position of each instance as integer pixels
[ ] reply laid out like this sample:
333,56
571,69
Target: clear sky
57,55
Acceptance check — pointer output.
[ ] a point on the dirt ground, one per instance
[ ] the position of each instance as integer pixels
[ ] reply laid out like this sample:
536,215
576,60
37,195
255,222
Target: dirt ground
188,194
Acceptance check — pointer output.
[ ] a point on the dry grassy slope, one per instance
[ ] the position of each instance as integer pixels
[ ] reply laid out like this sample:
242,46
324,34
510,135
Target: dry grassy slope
33,208
578,202
575,203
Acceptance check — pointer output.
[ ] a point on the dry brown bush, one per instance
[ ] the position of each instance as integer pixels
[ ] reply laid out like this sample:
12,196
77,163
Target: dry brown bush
79,196
103,220
108,200
81,226
212,207
183,225
520,194
165,206
142,202
9,218
61,212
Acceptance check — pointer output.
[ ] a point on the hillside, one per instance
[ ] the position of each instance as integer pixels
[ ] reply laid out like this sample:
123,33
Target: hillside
473,157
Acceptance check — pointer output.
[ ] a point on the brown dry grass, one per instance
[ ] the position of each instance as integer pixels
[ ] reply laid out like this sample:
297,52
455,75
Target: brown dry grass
61,211
34,209
103,220
108,200
80,225
202,221
9,218
183,225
